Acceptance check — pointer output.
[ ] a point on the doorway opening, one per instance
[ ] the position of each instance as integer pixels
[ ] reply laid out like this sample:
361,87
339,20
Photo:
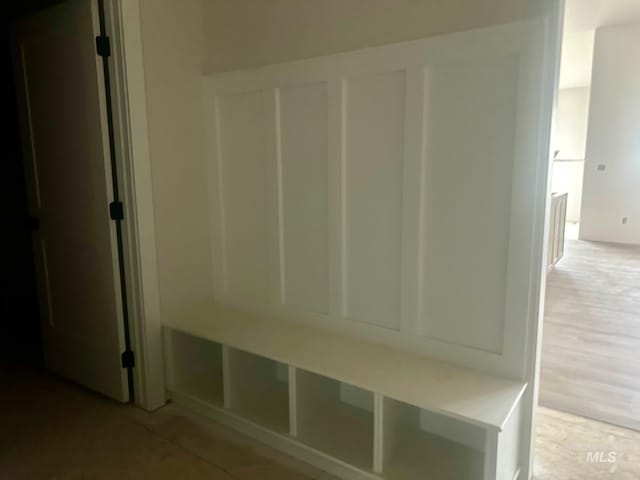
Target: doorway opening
589,416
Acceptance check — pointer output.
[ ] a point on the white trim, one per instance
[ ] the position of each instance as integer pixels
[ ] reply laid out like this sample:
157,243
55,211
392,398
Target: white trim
501,352
550,81
134,170
485,401
490,455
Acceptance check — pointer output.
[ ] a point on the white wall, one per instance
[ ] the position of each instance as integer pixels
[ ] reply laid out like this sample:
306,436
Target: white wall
172,37
570,140
249,33
577,59
567,178
613,139
571,123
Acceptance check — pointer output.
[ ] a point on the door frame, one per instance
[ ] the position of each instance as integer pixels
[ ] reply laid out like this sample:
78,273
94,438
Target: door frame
550,79
129,105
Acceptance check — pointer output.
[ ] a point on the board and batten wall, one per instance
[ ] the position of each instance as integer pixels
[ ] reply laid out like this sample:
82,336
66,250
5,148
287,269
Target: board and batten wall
181,39
395,193
611,190
368,193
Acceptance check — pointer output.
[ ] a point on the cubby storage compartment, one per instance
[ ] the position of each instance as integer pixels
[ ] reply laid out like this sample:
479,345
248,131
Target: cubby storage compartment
195,367
419,444
335,418
469,430
259,389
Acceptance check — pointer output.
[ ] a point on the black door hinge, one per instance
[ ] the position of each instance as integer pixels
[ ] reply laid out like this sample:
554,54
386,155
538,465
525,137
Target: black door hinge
116,211
128,359
103,46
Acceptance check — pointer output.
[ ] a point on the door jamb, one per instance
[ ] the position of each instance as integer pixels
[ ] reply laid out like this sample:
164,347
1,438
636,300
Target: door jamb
550,80
123,27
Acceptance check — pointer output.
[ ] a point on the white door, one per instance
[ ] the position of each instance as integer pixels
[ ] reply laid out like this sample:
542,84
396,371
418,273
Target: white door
66,152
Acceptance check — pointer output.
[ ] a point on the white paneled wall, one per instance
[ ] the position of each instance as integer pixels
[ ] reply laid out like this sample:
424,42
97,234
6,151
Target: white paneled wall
372,196
302,124
470,151
376,191
244,195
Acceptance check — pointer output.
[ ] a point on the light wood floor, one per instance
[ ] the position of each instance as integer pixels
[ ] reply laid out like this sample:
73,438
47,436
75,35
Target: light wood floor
591,335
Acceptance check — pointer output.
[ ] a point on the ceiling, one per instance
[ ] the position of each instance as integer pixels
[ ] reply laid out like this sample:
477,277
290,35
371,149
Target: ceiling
582,18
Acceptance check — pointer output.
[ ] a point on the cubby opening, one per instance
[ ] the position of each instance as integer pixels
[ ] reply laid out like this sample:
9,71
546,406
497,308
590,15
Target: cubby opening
335,418
419,444
259,389
195,368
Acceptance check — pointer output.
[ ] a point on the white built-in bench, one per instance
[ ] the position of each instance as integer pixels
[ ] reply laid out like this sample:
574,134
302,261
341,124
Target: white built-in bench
355,408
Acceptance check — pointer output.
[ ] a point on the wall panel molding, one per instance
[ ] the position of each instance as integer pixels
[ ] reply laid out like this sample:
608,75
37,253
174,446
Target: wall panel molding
384,193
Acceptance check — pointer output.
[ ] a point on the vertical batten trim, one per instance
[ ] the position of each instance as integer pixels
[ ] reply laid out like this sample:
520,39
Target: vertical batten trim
334,186
222,233
422,221
411,188
211,165
490,455
281,246
270,97
344,219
